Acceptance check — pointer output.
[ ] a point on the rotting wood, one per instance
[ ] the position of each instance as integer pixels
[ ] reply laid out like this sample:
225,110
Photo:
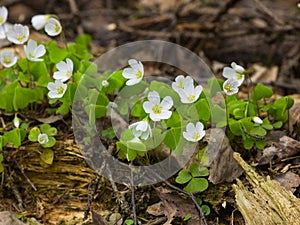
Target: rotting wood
266,202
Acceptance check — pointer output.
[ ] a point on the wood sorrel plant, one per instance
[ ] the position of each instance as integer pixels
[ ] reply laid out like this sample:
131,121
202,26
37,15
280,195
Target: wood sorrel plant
48,75
160,116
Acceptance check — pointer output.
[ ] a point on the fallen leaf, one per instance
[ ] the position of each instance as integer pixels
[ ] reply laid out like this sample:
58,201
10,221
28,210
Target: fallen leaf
50,119
156,209
294,115
97,219
174,205
287,147
288,180
223,167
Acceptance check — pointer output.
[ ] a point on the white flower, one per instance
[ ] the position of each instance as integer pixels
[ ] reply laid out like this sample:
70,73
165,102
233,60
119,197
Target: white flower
16,121
190,95
182,82
184,86
135,73
235,72
53,27
194,133
4,28
8,58
231,86
56,89
39,21
18,34
3,15
43,138
158,110
257,120
65,70
2,32
141,129
105,83
33,51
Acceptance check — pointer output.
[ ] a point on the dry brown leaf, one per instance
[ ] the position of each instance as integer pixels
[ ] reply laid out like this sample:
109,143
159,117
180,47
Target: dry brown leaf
223,167
294,119
156,209
174,205
288,180
287,147
97,219
50,119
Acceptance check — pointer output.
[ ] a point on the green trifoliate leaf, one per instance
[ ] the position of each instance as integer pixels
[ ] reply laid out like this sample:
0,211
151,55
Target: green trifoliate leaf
183,177
196,185
261,91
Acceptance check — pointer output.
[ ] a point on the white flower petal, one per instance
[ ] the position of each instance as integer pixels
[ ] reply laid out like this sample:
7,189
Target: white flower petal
131,82
187,136
230,86
69,64
190,128
2,32
61,66
154,97
65,70
199,126
135,73
228,72
8,58
3,14
198,90
18,34
40,51
39,21
53,27
167,102
165,115
257,120
129,73
43,138
147,106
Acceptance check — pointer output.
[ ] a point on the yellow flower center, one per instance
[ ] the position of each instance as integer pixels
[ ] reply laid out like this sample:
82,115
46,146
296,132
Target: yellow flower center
228,87
180,85
191,98
196,135
138,75
21,37
1,20
57,28
157,109
7,60
239,76
42,140
60,90
68,73
31,56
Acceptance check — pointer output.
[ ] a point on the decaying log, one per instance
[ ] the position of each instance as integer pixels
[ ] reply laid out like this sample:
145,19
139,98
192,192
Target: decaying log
266,201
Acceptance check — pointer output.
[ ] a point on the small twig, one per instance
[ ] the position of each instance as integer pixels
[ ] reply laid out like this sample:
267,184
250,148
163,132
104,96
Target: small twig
191,195
94,186
232,217
224,9
269,12
26,177
133,199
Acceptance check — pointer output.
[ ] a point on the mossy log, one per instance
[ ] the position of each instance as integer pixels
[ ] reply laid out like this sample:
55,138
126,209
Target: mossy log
265,201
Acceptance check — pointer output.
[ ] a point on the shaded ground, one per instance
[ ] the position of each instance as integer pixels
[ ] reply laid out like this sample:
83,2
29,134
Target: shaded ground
264,37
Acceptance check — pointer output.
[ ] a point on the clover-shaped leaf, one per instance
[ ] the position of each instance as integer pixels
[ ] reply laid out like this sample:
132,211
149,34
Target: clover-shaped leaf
196,185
